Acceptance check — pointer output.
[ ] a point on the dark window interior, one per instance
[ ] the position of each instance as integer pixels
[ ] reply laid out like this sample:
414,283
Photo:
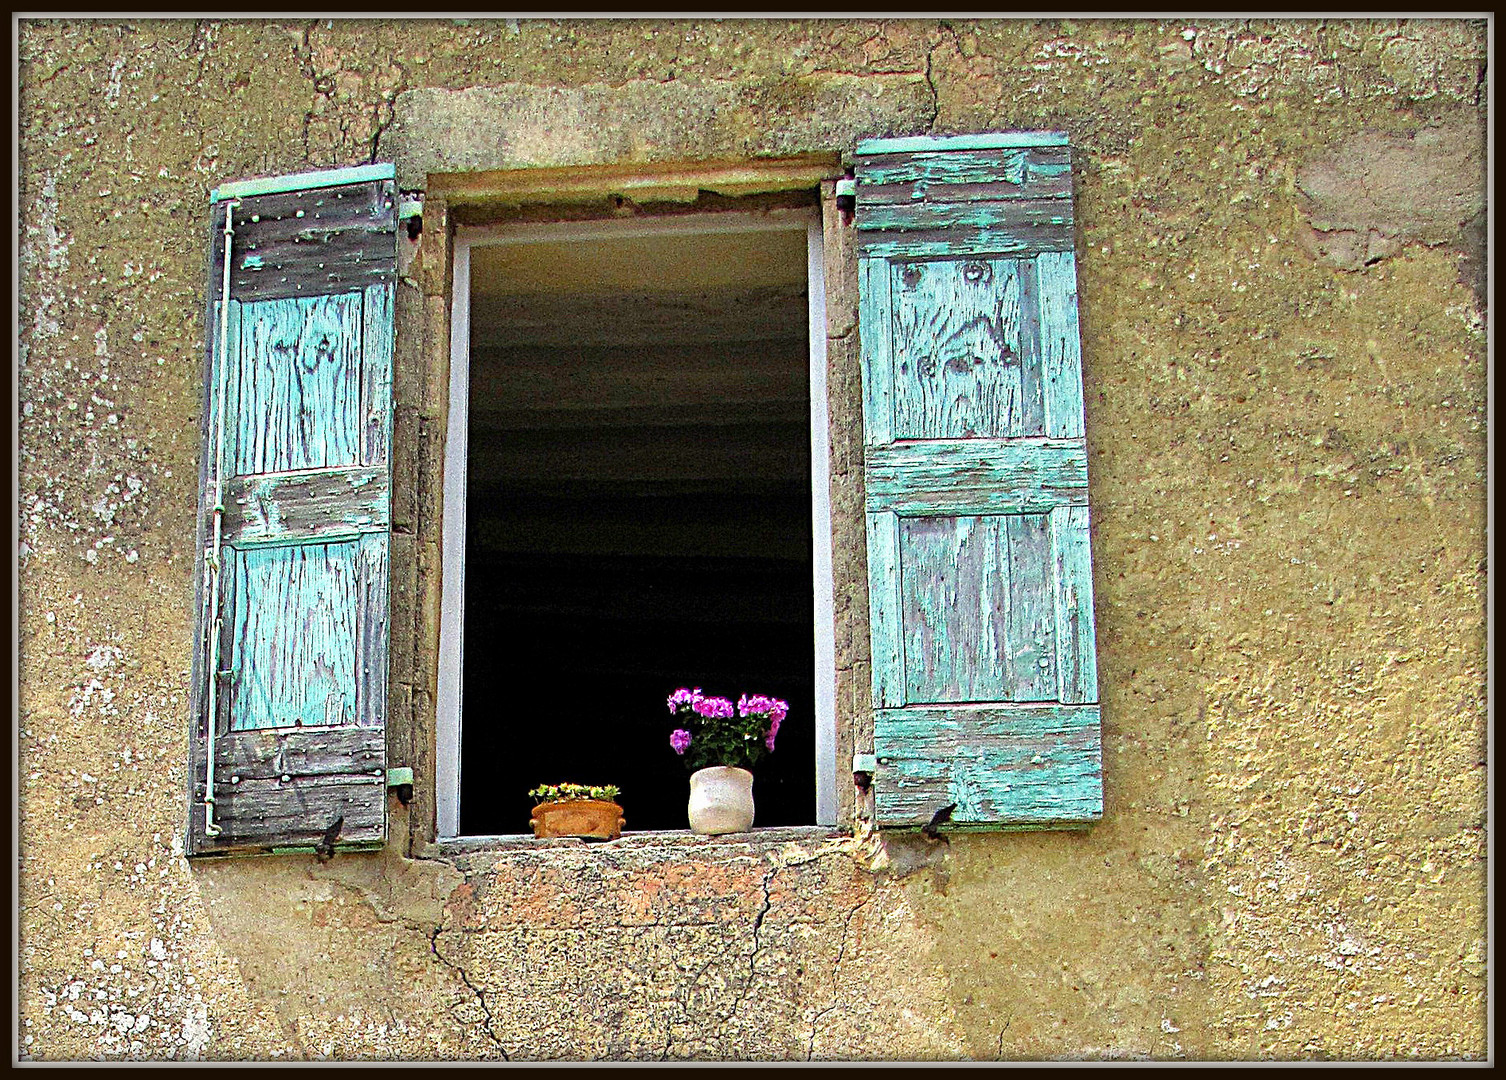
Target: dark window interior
637,515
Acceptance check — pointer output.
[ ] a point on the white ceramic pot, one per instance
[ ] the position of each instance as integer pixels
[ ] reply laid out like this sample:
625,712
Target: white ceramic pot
721,800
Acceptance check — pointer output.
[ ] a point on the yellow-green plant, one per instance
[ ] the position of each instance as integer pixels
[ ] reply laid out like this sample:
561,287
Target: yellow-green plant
548,793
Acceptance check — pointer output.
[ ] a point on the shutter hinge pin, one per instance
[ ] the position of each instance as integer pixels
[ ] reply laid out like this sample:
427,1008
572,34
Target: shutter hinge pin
400,780
412,211
847,195
863,768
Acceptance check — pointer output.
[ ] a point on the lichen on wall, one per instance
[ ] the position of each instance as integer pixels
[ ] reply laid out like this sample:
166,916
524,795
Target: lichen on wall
1286,400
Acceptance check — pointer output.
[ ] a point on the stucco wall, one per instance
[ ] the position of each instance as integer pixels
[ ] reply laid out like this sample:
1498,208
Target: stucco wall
1284,357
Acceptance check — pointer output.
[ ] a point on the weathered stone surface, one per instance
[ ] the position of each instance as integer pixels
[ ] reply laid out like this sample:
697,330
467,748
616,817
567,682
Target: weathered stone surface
515,126
1287,475
709,951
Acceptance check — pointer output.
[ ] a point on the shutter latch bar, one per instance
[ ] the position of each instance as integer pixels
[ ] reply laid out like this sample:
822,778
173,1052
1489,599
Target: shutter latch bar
216,624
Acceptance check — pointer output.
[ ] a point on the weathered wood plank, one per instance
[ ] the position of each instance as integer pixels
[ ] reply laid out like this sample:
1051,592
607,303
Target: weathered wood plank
1076,659
963,240
1061,348
230,600
1037,172
377,327
198,705
966,357
232,362
298,390
876,351
298,244
372,622
199,721
942,169
293,655
1029,655
978,476
306,181
1001,764
987,140
978,616
955,592
1021,216
1028,330
886,610
299,752
637,180
300,811
905,194
320,505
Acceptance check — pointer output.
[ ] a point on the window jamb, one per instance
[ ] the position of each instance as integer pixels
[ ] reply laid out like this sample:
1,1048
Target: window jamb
449,706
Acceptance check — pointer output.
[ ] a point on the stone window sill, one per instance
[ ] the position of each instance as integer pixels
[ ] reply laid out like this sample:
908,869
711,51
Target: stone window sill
667,843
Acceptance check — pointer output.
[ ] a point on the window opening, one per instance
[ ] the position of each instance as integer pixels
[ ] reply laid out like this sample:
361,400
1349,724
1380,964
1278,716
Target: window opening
638,488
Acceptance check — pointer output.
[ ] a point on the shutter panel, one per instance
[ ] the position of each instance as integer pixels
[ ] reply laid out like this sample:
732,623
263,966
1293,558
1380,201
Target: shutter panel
294,627
981,599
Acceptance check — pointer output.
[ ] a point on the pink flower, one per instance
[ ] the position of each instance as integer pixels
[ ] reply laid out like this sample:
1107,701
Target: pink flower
760,705
679,741
773,729
712,708
682,697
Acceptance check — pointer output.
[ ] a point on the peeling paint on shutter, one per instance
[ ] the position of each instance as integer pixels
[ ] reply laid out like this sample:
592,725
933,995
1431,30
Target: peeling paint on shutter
300,739
985,684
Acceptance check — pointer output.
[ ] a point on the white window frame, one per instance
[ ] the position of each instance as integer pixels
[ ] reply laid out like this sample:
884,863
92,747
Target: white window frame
449,706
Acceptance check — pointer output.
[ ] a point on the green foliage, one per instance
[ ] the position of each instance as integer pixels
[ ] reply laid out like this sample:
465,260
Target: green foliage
737,742
710,731
548,793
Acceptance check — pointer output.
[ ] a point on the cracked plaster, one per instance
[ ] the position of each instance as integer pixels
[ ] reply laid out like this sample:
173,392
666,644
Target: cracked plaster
1287,479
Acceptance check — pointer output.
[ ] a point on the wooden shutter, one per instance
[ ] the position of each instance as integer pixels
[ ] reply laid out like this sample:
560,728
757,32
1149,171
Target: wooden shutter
981,599
298,643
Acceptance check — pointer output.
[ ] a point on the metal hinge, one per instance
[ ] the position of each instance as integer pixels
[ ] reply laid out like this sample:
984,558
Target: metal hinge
411,210
863,768
399,776
400,780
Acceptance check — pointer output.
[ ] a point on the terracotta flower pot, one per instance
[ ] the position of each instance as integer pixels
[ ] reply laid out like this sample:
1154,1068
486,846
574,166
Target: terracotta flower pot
721,800
594,818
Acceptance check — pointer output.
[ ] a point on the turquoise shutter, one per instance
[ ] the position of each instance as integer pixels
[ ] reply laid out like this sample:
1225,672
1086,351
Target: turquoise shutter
985,687
292,629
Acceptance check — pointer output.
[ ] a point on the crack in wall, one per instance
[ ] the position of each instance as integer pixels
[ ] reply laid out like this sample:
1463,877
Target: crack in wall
200,42
306,57
768,901
951,31
459,969
836,968
389,102
931,88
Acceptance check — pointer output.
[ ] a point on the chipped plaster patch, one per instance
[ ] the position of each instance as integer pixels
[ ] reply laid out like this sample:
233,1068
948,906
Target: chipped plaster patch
1374,192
